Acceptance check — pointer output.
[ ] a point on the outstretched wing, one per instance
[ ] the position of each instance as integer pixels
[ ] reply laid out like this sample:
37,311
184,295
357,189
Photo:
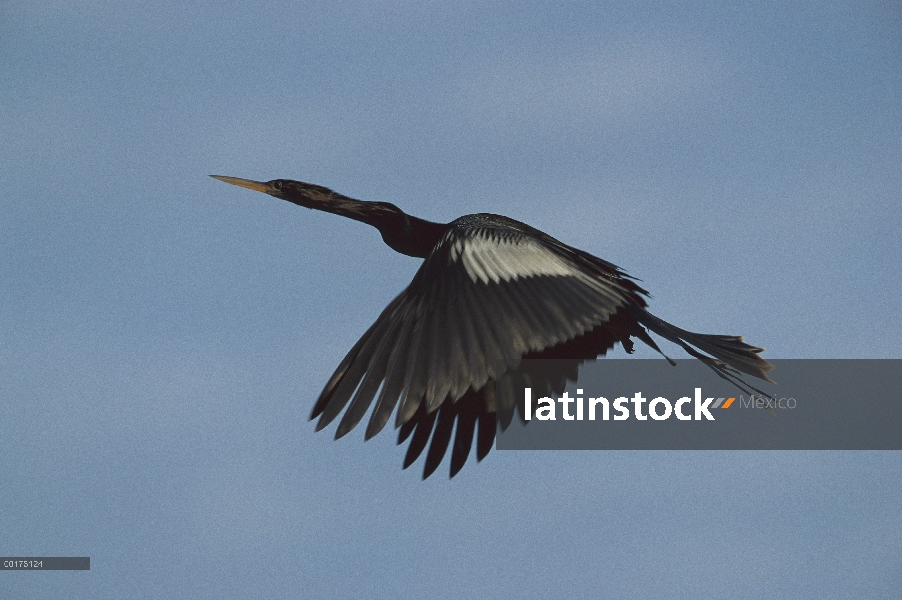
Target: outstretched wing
491,291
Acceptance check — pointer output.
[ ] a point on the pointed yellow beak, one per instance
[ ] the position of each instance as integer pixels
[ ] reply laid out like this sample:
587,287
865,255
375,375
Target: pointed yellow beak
247,183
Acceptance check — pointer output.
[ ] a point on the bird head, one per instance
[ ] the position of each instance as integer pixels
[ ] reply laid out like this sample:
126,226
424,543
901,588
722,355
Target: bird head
310,195
303,194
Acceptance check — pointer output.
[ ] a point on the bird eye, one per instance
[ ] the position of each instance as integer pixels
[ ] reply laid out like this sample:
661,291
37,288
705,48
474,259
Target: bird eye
277,184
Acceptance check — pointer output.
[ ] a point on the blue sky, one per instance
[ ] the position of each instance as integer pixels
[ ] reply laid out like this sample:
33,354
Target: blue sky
163,336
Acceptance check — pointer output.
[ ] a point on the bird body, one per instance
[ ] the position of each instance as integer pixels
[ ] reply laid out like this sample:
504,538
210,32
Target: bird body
491,291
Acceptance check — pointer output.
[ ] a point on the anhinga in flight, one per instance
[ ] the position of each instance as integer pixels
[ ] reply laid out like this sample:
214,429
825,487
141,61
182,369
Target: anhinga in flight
490,292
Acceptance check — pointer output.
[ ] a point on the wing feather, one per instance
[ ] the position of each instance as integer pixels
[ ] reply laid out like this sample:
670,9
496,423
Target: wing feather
395,376
356,363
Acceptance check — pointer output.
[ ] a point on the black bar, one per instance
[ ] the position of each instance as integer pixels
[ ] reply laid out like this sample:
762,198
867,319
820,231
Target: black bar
45,563
819,404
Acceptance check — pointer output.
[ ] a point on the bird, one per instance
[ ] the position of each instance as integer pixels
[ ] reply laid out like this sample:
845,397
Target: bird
491,294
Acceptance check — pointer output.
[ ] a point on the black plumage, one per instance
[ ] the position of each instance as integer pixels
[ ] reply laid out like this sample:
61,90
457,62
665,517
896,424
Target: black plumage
490,292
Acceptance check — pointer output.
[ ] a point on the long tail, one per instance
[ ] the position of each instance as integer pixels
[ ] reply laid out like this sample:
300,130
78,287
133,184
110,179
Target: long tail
727,355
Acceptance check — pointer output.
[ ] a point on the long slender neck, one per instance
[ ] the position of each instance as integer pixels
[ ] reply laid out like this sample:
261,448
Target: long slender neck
403,233
410,235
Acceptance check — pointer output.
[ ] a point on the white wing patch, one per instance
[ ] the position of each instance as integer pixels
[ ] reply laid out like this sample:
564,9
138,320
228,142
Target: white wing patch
486,259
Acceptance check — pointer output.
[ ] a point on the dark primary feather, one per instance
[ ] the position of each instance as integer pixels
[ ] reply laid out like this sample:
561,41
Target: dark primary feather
446,356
